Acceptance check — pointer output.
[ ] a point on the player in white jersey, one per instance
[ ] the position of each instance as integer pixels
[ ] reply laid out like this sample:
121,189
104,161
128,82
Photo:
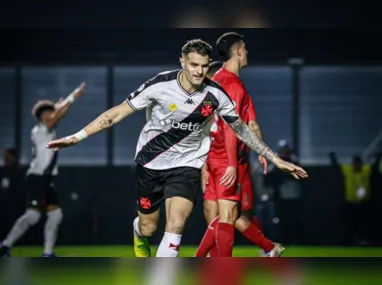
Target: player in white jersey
173,145
42,170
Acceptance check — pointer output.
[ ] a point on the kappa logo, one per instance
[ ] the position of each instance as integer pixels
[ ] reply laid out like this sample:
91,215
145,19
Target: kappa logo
189,101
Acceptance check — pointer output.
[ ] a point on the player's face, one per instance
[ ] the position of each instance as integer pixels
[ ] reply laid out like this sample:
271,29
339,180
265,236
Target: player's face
243,53
45,115
195,67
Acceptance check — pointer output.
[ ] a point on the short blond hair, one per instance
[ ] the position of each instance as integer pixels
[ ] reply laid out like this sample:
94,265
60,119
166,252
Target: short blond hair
41,106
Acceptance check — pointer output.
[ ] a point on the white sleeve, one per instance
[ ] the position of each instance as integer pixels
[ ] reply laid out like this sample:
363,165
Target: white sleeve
144,95
226,108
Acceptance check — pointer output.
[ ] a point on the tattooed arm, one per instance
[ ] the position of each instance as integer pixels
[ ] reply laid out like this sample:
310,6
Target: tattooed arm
244,133
251,138
109,118
104,121
227,111
254,126
137,100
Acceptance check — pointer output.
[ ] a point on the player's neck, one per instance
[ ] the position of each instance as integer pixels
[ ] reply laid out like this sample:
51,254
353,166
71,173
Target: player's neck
190,88
232,66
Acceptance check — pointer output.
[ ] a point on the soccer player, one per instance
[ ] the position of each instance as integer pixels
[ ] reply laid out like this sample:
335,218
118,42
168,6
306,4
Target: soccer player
173,145
229,173
40,176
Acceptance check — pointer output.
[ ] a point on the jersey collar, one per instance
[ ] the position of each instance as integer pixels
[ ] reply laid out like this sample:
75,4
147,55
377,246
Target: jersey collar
184,90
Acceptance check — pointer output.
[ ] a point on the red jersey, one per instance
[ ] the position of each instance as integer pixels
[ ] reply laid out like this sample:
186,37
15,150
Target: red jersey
226,149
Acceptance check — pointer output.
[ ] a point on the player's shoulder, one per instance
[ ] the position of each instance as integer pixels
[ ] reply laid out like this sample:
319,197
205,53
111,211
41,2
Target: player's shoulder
161,78
232,84
39,130
166,76
214,87
40,127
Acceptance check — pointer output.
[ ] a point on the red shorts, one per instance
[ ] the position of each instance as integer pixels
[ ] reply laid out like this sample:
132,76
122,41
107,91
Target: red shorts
241,191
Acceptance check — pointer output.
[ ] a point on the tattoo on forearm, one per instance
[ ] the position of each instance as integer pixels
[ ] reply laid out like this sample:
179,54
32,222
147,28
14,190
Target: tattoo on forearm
254,126
106,122
252,140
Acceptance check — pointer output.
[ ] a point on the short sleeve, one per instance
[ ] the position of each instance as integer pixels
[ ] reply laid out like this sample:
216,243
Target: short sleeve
252,111
226,107
144,95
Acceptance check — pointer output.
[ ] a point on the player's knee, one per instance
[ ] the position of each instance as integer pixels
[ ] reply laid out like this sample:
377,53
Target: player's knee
210,211
56,216
228,214
147,228
31,216
176,224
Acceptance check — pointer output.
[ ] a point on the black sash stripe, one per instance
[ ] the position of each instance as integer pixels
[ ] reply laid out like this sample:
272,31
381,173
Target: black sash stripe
166,140
52,164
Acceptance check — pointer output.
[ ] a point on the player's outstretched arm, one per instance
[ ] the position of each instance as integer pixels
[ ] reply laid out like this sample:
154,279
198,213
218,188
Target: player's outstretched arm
244,133
62,107
255,127
106,120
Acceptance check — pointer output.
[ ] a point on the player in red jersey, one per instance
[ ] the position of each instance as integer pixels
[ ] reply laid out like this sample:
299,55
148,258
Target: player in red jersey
229,178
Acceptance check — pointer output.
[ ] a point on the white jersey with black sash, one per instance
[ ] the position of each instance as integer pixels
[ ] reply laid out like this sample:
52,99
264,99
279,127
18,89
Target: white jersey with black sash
44,160
177,130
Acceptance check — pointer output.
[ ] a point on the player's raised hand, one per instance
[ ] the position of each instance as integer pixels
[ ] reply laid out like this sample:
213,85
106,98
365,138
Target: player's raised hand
264,163
79,90
61,143
229,177
296,171
58,103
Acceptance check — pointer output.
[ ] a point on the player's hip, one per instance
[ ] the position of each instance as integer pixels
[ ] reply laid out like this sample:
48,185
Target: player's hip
155,186
181,173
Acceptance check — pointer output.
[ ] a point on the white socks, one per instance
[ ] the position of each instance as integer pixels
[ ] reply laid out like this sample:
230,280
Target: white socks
164,271
136,227
51,229
30,218
169,247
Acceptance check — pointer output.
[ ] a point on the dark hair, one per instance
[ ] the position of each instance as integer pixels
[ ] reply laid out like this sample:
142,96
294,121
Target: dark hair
225,43
41,106
199,46
214,67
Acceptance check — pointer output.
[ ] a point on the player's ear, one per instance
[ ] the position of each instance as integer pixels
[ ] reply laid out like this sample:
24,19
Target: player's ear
238,52
181,60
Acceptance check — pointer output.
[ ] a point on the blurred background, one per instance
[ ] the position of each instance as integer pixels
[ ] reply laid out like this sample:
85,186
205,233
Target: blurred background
317,93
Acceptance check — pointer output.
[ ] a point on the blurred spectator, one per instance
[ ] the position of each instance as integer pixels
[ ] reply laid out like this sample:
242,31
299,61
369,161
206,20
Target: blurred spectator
287,192
12,197
357,194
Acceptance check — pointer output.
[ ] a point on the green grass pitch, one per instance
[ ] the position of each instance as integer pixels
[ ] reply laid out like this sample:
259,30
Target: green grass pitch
137,271
188,251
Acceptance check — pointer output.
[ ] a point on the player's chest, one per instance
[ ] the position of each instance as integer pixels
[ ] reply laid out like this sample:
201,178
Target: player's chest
179,106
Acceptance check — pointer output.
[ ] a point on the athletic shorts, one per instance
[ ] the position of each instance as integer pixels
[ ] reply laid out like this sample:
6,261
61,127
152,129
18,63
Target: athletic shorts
155,186
241,191
41,192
